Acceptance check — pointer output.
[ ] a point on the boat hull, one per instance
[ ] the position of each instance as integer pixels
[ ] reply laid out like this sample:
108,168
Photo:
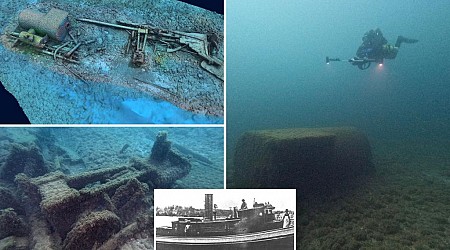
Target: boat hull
270,239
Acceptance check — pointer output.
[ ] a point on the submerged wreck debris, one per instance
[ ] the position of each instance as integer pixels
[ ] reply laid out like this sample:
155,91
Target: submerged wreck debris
162,147
37,28
201,44
9,200
11,224
312,160
45,32
130,199
14,242
148,61
54,24
141,230
23,159
124,148
175,166
96,227
89,208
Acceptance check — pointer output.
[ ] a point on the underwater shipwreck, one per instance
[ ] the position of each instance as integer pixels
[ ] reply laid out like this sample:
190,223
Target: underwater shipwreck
106,208
144,55
315,161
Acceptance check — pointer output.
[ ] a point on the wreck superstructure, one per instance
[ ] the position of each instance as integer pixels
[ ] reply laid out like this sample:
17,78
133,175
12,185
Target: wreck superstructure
97,208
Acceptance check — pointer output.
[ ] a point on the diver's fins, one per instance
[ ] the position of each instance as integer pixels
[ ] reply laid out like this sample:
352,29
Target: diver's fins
402,39
409,40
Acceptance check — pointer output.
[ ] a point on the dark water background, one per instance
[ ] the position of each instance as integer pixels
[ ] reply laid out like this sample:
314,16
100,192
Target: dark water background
215,5
277,76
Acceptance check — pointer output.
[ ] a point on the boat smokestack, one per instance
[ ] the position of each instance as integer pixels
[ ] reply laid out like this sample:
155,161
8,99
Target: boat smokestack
208,207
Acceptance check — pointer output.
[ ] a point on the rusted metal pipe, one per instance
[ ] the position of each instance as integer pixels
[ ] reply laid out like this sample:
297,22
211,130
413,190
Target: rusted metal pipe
106,24
60,47
68,54
59,56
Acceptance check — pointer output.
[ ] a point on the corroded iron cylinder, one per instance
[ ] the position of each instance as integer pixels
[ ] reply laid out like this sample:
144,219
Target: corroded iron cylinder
55,23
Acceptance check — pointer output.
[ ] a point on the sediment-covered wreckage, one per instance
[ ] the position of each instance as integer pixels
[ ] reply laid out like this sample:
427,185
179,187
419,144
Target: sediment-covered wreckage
36,29
100,209
312,160
181,63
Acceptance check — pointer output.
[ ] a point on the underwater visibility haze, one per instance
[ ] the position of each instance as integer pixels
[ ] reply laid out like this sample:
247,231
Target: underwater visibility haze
277,78
76,188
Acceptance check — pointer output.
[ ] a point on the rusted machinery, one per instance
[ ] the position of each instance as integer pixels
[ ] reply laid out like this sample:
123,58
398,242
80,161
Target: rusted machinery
65,51
55,23
46,32
201,44
30,37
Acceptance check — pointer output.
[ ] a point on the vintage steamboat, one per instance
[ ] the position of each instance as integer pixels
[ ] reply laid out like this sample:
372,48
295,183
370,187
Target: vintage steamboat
253,228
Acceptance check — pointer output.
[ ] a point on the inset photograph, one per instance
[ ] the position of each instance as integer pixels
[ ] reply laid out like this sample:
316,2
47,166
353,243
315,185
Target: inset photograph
114,62
225,219
92,188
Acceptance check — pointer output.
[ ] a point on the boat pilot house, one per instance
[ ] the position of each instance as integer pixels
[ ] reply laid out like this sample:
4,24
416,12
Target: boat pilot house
258,218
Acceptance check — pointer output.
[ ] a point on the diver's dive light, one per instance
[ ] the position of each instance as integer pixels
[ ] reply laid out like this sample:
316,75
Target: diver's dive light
362,63
328,60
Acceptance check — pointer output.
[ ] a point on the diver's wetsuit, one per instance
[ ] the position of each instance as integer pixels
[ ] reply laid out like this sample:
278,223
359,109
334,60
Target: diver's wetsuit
372,46
375,47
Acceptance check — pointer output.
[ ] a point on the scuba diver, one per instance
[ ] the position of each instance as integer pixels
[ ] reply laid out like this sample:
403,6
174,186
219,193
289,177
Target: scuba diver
375,48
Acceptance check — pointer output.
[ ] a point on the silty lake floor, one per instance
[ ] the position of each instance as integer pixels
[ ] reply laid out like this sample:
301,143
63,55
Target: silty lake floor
404,205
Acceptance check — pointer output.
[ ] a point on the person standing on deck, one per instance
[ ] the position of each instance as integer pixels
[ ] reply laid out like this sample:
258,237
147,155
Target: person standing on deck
286,219
244,205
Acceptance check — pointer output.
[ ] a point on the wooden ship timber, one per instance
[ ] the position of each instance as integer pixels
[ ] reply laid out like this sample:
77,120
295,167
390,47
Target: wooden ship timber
253,228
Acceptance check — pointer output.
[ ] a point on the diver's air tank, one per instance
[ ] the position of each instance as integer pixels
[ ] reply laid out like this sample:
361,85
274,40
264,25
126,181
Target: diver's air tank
55,23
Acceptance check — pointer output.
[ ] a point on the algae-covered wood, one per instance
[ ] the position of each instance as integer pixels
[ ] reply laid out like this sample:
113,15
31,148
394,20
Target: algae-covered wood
309,159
